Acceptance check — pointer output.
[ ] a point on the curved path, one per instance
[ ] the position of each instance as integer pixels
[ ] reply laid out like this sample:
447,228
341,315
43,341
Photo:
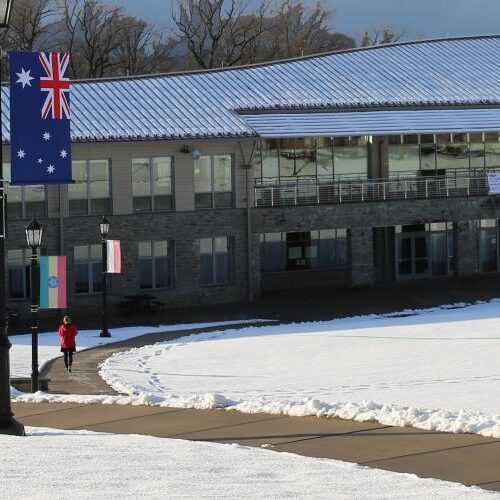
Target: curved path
464,458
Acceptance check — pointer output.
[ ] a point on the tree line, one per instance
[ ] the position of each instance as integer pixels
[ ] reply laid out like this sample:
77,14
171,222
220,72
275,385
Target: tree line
104,41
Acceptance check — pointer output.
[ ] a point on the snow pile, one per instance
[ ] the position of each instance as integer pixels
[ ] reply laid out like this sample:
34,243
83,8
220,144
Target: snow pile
100,465
435,369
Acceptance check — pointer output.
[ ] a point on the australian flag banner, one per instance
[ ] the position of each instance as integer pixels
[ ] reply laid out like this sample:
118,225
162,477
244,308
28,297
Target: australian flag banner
39,118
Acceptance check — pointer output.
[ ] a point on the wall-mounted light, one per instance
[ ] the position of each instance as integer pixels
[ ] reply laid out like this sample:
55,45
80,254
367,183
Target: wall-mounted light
185,149
196,153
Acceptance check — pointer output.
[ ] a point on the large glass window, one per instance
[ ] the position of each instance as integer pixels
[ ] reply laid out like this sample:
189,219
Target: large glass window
450,154
155,264
325,248
23,202
89,194
213,181
350,157
88,268
152,184
215,260
319,159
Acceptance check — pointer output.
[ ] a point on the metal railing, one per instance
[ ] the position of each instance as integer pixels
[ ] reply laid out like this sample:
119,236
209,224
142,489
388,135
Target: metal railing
315,193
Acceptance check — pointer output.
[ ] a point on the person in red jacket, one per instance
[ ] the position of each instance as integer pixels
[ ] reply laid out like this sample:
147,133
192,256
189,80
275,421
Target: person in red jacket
68,331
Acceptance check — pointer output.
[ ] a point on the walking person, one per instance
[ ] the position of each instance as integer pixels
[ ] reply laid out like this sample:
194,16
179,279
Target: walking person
68,331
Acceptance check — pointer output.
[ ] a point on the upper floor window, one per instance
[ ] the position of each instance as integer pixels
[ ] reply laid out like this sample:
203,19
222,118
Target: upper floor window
152,184
88,268
213,181
448,154
89,194
321,159
215,260
24,202
155,264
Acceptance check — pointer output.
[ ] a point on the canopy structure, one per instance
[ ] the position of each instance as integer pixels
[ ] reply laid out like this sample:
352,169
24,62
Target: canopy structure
274,125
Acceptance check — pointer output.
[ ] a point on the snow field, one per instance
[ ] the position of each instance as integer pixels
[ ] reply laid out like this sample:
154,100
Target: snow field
435,369
77,464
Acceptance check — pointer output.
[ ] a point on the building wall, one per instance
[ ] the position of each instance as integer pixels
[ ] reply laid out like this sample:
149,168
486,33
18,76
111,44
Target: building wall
368,224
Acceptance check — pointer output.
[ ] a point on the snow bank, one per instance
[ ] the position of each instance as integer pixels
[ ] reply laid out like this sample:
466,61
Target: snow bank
99,466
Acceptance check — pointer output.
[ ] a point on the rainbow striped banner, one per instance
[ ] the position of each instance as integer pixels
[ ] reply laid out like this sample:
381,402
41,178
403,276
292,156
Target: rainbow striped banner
53,282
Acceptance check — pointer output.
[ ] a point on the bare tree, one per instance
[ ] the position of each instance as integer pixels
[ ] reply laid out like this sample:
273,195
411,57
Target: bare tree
218,32
93,35
30,24
295,29
382,35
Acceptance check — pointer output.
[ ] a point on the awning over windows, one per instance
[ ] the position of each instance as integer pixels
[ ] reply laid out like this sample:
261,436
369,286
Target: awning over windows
426,121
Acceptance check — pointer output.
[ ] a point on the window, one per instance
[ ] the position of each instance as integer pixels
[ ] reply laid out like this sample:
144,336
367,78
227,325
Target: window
325,248
18,264
488,245
23,202
424,250
215,260
89,194
451,154
317,159
213,184
88,268
152,184
155,264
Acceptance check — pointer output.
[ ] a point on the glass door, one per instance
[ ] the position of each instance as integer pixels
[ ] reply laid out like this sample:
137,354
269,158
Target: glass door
412,255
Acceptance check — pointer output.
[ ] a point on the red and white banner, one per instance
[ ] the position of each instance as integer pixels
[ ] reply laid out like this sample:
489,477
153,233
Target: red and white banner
114,257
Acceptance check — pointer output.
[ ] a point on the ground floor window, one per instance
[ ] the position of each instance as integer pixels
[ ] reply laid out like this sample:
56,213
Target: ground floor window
88,268
324,248
488,245
215,260
18,264
424,249
155,264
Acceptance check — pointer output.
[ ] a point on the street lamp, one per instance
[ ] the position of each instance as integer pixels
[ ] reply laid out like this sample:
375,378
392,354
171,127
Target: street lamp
8,425
104,228
34,237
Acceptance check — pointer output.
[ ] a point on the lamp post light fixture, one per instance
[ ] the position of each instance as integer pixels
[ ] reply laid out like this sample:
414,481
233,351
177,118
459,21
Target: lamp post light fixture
104,228
34,233
8,425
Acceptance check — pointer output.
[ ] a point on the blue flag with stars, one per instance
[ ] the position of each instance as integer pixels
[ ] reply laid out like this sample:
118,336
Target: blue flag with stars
40,137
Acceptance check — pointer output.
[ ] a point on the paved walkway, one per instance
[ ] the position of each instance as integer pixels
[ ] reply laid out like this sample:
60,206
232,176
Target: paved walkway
464,458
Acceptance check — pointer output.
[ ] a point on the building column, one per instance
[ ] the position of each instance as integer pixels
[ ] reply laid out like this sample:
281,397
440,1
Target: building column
361,256
466,249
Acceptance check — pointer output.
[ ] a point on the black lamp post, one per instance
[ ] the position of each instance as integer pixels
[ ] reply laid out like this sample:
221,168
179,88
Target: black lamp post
34,237
104,228
8,425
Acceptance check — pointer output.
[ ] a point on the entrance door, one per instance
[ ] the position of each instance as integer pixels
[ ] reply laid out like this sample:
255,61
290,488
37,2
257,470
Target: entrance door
412,255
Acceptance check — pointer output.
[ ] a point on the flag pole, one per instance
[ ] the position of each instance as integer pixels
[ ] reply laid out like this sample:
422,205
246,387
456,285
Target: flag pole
8,425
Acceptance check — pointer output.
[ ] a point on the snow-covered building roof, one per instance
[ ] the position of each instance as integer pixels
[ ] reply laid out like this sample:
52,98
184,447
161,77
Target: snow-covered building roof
460,72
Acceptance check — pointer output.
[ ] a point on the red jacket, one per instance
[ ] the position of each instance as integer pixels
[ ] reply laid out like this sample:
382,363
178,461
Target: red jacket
68,334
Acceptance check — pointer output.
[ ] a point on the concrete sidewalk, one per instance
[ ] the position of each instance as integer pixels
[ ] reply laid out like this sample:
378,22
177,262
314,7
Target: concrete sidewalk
463,458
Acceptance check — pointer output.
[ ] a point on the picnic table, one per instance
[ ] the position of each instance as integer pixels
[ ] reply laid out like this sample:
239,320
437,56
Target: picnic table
143,303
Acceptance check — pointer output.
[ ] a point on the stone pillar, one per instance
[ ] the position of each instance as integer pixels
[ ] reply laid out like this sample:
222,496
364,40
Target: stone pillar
466,249
361,256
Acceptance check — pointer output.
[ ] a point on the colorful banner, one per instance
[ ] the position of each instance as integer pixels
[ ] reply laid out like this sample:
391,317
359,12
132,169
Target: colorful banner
53,282
39,118
114,257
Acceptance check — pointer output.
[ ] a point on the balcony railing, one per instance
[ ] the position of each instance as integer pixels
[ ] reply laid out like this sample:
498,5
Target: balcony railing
359,191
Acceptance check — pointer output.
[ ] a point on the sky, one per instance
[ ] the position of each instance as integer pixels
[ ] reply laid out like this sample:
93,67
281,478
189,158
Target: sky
419,18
